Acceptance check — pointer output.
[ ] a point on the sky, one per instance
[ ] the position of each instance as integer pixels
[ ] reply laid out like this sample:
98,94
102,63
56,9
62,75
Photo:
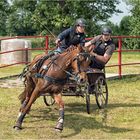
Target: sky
116,18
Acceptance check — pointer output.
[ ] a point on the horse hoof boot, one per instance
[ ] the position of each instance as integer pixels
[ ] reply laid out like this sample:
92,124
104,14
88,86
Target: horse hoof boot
59,127
58,130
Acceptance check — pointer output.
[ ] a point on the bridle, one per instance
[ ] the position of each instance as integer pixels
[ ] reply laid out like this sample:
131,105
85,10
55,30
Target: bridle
86,57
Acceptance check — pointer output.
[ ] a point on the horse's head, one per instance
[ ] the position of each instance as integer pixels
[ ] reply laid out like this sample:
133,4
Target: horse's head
80,61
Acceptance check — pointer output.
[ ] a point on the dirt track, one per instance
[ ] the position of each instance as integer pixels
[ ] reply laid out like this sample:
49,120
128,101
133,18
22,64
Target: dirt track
10,83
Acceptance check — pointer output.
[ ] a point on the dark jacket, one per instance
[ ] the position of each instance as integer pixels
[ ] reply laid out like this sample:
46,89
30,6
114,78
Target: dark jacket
70,37
101,47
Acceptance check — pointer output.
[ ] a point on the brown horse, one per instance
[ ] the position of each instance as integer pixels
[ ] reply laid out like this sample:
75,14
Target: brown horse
49,75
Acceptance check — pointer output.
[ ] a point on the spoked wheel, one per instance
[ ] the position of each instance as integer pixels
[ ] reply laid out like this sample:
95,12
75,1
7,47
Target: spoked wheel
101,92
88,103
48,100
86,90
89,93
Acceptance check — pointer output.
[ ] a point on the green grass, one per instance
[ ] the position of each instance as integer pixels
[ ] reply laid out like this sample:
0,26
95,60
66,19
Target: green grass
127,57
120,120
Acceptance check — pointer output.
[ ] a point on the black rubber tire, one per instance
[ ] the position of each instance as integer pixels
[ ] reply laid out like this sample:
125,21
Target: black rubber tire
101,92
88,103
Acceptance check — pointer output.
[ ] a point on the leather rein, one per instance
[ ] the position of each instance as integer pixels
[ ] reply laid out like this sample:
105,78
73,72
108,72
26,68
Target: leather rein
69,74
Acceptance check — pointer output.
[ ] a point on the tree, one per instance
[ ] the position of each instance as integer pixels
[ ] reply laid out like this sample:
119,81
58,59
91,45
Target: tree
19,21
134,26
43,16
125,25
56,15
4,11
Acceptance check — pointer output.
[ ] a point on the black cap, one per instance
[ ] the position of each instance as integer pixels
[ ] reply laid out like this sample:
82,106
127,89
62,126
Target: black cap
81,22
106,30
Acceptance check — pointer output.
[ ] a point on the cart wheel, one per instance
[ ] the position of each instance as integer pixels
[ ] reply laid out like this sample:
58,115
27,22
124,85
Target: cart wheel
48,100
101,92
88,102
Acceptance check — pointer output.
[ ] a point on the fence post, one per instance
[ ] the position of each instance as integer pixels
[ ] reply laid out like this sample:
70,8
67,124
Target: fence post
46,44
119,56
26,53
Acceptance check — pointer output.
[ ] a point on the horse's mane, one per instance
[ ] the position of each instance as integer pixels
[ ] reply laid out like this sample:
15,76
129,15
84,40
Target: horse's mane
71,48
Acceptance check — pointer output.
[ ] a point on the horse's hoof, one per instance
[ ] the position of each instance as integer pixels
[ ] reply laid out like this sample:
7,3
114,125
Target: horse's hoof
17,127
58,130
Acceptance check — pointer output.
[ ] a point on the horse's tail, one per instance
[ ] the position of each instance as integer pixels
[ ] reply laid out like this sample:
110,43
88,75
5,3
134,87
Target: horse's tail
29,87
22,96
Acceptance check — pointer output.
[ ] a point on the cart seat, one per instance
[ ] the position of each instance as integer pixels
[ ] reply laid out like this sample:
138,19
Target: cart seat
93,74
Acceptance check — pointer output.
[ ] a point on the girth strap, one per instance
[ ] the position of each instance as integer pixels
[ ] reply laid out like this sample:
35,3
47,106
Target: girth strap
51,79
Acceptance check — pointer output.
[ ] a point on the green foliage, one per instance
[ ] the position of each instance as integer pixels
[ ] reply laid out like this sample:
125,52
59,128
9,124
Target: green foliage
42,16
38,43
19,21
4,12
66,12
132,25
125,25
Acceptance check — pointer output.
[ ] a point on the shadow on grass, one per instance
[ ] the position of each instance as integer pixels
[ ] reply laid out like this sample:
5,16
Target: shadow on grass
77,119
78,122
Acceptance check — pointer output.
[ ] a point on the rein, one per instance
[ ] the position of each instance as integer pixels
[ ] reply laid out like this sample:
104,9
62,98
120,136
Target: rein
58,80
45,69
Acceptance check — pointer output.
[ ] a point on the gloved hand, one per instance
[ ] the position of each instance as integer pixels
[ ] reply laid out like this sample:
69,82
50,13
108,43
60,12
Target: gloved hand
92,54
58,42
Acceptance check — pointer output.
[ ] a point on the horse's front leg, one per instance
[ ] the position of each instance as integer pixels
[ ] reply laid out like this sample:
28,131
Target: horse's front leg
60,122
25,110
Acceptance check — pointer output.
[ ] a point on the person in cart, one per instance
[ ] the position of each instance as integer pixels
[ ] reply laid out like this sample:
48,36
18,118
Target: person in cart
101,48
72,36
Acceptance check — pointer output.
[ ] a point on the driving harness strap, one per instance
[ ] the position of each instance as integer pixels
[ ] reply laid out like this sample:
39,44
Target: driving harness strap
51,79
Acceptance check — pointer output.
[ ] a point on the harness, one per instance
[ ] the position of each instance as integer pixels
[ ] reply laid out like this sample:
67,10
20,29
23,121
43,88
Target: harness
58,80
45,69
51,79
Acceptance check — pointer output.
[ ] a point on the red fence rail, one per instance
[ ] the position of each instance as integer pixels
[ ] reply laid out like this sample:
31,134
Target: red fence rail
119,50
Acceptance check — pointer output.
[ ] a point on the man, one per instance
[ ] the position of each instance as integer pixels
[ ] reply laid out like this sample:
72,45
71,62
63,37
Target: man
101,48
72,36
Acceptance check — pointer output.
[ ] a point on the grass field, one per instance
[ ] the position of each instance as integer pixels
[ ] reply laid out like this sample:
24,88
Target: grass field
127,57
120,120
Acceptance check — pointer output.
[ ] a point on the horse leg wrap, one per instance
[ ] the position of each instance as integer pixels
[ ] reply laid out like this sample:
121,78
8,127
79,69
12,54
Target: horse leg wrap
61,113
23,104
60,122
19,121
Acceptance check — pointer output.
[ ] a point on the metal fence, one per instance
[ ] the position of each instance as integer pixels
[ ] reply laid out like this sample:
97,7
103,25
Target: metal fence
119,50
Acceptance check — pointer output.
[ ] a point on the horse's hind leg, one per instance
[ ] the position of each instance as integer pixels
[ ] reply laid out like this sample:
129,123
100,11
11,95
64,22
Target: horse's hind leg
26,94
24,110
59,101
